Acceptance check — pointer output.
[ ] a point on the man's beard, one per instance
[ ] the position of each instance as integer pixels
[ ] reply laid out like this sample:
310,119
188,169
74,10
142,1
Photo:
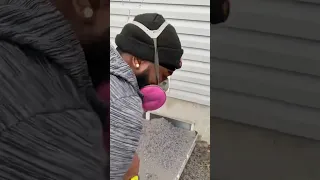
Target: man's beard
143,79
98,59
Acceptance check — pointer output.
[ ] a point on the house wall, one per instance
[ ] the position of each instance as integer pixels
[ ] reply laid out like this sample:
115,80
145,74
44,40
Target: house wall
244,152
265,66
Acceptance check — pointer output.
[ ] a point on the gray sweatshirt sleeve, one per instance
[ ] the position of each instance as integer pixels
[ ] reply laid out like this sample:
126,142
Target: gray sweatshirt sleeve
126,116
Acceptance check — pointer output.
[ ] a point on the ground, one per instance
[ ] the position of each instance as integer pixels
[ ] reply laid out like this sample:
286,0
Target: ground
198,166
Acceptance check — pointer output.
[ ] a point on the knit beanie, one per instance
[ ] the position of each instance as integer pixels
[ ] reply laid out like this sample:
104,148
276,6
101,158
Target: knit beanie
219,11
136,42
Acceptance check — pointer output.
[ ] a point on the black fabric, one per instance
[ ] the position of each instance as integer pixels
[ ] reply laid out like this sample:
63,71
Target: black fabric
217,12
97,56
136,42
48,128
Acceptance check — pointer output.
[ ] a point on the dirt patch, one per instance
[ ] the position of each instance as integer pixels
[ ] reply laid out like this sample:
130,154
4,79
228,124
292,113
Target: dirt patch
163,149
198,166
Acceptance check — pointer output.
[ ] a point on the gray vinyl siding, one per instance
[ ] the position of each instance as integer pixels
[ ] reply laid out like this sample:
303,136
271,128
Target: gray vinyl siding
265,66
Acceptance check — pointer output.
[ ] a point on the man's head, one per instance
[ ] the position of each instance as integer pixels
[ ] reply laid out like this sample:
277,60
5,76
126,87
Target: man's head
90,21
138,50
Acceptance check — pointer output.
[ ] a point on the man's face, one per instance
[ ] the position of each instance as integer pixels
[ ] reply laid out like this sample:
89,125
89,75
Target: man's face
146,74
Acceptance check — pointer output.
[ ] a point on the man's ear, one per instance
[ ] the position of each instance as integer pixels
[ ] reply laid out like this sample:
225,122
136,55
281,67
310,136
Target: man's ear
84,9
136,62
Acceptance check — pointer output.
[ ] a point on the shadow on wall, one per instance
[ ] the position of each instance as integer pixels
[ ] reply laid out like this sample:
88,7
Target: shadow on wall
242,152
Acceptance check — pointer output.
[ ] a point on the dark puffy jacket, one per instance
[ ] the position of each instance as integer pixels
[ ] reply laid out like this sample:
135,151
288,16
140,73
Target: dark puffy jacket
48,128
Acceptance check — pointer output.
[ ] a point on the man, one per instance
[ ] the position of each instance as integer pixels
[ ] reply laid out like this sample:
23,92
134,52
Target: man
48,128
132,67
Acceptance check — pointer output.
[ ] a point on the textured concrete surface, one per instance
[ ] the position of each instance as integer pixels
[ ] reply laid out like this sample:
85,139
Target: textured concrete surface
162,150
188,112
242,152
198,166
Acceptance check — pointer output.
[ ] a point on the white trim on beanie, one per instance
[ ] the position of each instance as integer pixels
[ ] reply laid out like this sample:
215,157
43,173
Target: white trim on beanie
153,34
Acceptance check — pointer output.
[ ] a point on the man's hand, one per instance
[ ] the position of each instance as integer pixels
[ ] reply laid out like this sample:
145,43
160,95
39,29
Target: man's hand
134,168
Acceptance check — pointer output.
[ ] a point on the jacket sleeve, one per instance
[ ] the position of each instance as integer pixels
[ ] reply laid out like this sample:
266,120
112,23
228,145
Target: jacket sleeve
126,117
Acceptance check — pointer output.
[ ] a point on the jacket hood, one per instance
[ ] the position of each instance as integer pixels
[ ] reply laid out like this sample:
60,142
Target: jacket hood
38,25
119,68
